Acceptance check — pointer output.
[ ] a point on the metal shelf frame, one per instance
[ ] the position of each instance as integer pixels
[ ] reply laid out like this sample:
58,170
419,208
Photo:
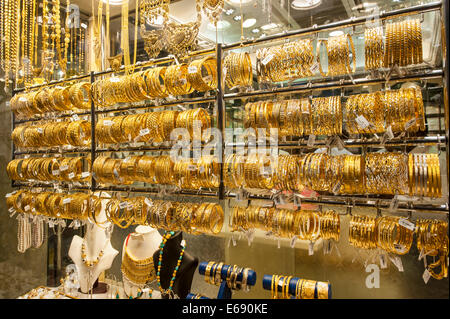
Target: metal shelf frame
219,98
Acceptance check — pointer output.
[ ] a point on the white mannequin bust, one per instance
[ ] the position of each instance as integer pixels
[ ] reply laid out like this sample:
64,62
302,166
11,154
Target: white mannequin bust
96,239
142,244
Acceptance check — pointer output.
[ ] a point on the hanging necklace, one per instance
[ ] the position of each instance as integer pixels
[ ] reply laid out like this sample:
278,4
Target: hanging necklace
91,263
166,237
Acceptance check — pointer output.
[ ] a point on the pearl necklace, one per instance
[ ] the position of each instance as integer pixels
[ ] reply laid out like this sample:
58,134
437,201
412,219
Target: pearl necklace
23,234
90,263
167,236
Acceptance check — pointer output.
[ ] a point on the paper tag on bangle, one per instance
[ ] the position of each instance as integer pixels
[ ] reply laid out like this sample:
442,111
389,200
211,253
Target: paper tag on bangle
389,133
144,131
122,205
311,140
314,68
407,224
75,117
67,200
397,261
310,249
27,208
426,276
11,210
107,123
362,122
293,240
63,168
192,69
114,79
383,261
267,59
192,167
71,175
410,123
55,172
148,202
85,174
40,130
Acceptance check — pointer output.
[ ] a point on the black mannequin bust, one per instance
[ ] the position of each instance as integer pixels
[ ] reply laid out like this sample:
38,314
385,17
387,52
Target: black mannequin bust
185,274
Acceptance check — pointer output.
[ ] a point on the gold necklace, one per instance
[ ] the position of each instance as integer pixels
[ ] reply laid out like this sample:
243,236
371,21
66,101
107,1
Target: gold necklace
91,263
213,9
150,10
137,271
124,44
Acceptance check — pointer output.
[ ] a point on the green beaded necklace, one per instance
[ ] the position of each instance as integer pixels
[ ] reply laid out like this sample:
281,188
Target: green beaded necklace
166,237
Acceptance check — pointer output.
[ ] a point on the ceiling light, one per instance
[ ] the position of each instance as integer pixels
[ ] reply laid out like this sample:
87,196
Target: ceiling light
249,23
305,4
269,26
237,18
220,25
336,33
114,2
229,12
255,30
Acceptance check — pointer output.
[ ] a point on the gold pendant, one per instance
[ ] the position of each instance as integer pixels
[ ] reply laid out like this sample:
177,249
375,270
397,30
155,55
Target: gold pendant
115,62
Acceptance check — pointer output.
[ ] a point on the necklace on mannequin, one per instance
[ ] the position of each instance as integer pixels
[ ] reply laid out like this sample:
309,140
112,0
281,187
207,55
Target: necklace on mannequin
91,263
137,271
169,290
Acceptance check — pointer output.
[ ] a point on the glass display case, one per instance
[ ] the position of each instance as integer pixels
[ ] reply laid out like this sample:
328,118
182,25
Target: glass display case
224,149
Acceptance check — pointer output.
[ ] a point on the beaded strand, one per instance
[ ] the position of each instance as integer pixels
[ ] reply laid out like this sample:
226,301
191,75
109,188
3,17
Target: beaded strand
167,236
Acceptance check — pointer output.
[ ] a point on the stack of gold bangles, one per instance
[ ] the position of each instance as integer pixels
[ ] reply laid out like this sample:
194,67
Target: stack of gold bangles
373,173
236,277
185,174
157,82
153,126
76,96
296,117
373,48
288,61
338,53
432,240
50,204
304,289
392,237
76,133
238,68
192,218
363,232
403,43
281,222
50,169
330,225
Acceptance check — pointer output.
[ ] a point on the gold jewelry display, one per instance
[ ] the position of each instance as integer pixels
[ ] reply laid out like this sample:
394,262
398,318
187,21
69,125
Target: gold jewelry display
236,278
304,289
76,133
137,271
49,169
338,53
373,48
239,72
213,9
285,62
403,43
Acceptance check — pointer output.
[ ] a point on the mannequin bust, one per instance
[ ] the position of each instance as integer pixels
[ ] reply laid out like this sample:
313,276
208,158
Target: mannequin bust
140,245
96,240
185,273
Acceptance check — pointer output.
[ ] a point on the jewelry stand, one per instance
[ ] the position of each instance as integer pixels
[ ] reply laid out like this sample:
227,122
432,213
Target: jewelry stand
225,292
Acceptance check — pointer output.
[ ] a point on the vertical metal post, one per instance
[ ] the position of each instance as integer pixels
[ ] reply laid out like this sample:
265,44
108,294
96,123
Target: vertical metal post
220,115
445,16
93,142
13,125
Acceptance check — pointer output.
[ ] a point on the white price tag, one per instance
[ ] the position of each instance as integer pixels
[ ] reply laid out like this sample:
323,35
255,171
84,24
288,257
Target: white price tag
55,172
192,167
192,69
362,122
85,174
144,131
8,195
122,205
293,240
267,59
311,140
27,208
426,276
107,123
63,168
40,130
389,133
114,79
314,68
148,202
75,117
126,159
67,200
407,224
397,261
410,123
311,249
71,175
11,210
